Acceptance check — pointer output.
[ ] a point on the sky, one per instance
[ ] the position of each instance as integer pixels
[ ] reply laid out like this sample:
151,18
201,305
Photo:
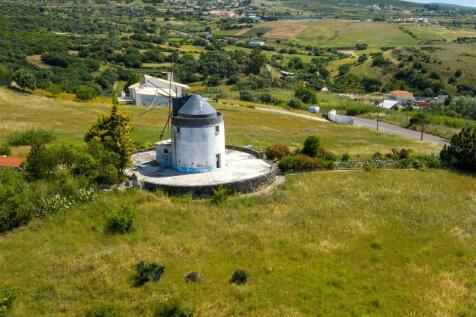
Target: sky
469,3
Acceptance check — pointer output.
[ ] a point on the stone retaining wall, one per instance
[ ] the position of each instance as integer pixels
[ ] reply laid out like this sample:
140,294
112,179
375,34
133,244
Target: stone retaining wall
243,186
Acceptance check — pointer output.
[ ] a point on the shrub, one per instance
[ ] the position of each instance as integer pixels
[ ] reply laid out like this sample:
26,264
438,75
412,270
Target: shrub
301,163
121,222
287,164
246,96
219,195
267,98
192,277
35,136
277,151
5,149
461,153
173,309
146,272
16,208
312,145
239,277
103,311
305,94
85,93
7,297
345,157
294,103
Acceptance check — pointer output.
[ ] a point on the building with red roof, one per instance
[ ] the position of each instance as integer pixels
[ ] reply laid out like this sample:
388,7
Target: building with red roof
403,97
10,161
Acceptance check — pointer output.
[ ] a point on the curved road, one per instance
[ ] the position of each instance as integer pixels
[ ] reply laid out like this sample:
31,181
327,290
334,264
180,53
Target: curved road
370,124
395,129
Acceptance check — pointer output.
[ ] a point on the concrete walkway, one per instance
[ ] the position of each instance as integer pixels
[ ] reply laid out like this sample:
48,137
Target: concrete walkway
370,124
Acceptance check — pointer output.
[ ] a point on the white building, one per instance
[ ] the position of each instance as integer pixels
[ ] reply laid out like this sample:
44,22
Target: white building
198,137
155,91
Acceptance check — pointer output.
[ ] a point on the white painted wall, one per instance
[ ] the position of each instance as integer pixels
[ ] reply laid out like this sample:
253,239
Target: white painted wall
196,148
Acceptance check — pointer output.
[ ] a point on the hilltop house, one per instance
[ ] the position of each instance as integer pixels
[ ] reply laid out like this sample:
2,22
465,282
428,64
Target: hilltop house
156,91
254,44
403,97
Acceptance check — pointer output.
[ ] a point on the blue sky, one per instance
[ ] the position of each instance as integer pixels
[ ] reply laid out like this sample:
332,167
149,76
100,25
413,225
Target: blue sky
469,3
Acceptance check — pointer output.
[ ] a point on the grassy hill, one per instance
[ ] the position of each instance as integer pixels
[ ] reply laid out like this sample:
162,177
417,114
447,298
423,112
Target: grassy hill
386,243
243,125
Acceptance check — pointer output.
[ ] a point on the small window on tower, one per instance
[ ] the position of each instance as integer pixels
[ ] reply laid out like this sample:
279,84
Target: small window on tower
217,128
178,129
166,151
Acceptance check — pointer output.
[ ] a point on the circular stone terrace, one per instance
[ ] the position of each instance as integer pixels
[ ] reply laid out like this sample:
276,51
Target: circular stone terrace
244,172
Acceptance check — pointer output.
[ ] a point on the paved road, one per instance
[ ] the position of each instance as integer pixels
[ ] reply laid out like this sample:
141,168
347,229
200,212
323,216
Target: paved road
369,123
394,129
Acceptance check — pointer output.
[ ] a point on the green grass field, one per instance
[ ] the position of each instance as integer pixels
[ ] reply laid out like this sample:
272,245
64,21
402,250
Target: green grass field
346,33
383,243
243,125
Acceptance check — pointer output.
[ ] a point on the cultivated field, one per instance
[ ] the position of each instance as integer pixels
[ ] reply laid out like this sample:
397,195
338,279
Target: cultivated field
243,125
346,33
383,243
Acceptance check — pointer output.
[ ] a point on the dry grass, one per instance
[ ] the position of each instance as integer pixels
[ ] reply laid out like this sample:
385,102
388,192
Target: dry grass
358,243
244,126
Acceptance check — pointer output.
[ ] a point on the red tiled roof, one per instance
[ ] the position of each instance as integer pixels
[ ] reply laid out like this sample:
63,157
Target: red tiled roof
6,161
401,92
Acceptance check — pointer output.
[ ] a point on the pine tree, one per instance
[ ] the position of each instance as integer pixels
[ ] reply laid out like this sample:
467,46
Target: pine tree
115,134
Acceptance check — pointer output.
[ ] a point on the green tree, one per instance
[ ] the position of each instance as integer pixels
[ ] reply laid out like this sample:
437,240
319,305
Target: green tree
344,69
312,146
24,79
305,94
257,60
461,153
115,134
15,202
85,93
41,162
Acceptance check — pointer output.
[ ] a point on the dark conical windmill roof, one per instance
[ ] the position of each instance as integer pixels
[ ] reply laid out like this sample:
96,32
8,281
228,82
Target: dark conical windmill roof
196,106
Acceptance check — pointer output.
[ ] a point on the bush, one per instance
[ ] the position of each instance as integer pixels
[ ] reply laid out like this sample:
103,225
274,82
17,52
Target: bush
173,309
7,297
305,94
294,103
312,145
121,222
5,149
287,164
192,277
102,311
239,277
302,163
146,272
267,98
277,151
461,153
85,93
246,96
219,195
16,207
35,136
345,157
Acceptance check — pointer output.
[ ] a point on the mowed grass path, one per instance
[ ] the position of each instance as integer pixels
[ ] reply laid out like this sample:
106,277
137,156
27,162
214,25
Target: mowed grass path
243,125
383,243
